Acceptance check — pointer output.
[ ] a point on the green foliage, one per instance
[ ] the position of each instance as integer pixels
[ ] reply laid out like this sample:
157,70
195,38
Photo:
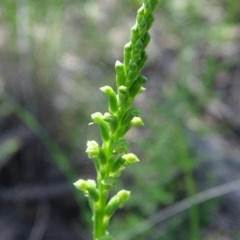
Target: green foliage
112,156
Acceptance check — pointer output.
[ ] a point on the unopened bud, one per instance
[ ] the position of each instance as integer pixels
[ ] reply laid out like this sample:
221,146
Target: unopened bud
96,117
88,187
93,193
136,86
123,197
104,130
81,184
112,205
112,98
127,54
112,120
120,72
130,158
122,95
136,122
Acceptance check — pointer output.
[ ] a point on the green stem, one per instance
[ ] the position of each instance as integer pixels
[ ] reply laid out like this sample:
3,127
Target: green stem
99,225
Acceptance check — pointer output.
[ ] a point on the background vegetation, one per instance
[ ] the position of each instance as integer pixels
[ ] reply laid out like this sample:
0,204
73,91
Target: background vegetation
54,56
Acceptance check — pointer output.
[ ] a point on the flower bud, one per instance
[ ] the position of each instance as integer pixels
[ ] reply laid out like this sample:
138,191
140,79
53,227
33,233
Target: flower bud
136,86
142,60
112,206
123,197
140,14
92,149
81,184
128,116
150,5
122,95
142,89
107,90
138,48
139,44
133,71
127,54
112,98
134,34
104,126
102,157
120,73
96,117
88,187
112,120
136,122
133,66
104,130
130,158
150,21
143,26
146,39
93,193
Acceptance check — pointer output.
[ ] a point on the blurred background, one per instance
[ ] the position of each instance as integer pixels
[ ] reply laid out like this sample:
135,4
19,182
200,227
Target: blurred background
54,56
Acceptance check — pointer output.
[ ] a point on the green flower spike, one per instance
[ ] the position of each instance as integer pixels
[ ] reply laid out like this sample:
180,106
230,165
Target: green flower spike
111,156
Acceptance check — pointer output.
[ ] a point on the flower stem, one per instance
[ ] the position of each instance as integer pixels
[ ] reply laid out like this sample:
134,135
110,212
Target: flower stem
112,157
99,225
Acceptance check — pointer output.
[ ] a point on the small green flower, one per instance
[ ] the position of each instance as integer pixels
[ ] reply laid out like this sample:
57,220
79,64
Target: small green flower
116,202
84,185
112,99
97,117
92,149
88,187
137,86
120,74
81,184
130,158
137,121
123,197
112,120
123,96
112,206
